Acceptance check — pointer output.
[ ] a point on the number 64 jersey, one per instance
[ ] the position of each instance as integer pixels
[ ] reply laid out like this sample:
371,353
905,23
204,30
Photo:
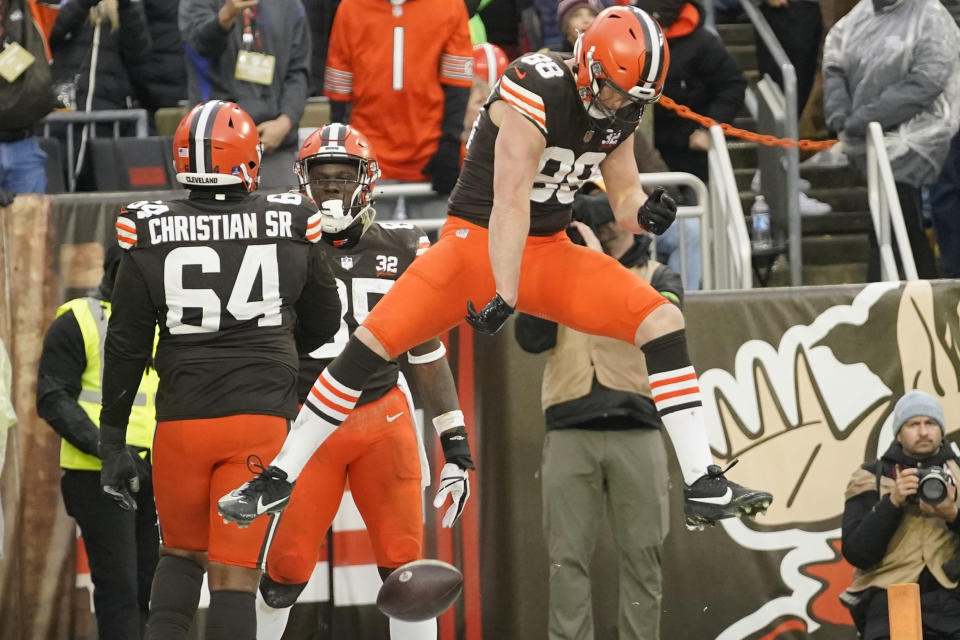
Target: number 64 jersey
236,282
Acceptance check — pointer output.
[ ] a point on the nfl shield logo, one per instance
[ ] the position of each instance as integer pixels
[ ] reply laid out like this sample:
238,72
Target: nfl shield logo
346,262
462,233
588,136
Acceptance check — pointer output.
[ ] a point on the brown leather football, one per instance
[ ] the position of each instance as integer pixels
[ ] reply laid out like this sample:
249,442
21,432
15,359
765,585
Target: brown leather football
420,590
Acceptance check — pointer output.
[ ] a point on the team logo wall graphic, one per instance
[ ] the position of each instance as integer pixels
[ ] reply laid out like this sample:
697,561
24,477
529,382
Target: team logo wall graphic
802,407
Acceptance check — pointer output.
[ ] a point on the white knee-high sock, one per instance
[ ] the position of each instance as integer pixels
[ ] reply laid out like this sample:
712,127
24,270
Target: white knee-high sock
330,401
676,394
270,622
328,404
425,630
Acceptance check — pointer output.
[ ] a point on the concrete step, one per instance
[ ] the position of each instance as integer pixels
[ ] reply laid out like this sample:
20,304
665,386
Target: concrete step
840,199
745,55
742,154
736,33
834,249
817,274
820,178
837,222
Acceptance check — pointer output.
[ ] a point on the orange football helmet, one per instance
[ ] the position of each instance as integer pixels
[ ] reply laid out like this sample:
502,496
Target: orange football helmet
489,62
624,49
216,144
338,143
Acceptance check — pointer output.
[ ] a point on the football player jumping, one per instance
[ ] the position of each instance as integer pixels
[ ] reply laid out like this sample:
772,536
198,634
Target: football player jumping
377,447
236,281
547,127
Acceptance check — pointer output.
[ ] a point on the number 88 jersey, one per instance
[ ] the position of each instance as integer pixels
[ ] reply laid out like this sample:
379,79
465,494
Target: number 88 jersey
543,90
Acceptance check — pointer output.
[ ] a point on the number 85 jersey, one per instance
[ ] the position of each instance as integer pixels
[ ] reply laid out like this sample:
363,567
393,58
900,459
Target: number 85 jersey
235,283
542,89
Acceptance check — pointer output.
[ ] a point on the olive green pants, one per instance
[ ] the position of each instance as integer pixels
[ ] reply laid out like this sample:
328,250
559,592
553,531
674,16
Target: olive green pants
586,474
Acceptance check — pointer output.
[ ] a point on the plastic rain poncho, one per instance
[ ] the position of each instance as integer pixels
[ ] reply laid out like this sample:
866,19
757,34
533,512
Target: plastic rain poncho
900,67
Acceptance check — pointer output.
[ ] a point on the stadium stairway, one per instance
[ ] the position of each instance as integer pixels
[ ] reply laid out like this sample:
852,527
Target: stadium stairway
834,244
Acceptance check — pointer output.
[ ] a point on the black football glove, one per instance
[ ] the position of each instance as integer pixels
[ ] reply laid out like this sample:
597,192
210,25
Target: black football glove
6,197
658,212
490,319
118,477
444,166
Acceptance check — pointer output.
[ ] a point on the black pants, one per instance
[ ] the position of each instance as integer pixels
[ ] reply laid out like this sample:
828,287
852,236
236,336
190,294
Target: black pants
122,547
912,207
939,611
797,26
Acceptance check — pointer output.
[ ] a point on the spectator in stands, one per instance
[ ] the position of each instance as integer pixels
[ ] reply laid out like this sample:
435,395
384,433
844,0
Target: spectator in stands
25,98
573,17
161,79
409,94
320,17
100,43
603,450
945,195
122,545
895,531
912,89
797,26
507,23
258,56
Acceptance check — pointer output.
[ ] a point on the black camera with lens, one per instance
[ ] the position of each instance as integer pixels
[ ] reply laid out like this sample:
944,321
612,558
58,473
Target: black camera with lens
933,484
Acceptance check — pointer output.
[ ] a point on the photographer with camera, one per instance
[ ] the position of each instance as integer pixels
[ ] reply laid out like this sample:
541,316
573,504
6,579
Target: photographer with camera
900,524
603,446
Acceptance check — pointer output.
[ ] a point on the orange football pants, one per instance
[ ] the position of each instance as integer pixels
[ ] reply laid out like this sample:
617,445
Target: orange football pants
195,462
570,284
376,449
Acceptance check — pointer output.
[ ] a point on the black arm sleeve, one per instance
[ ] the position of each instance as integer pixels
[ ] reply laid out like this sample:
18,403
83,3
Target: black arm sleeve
868,526
454,107
62,363
129,344
535,335
668,283
318,309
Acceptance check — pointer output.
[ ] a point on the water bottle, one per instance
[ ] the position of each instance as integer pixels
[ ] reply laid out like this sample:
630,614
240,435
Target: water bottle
760,223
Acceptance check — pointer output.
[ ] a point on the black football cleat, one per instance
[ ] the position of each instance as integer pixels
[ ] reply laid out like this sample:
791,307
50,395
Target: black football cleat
268,492
712,498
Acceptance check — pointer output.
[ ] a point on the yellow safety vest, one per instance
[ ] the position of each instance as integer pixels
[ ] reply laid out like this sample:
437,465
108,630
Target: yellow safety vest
92,316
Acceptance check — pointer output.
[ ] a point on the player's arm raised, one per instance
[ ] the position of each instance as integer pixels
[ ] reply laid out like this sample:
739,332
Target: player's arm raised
430,374
632,208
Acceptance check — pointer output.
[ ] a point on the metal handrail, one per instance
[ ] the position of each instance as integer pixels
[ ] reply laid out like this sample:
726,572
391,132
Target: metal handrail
73,118
700,210
733,257
885,209
791,155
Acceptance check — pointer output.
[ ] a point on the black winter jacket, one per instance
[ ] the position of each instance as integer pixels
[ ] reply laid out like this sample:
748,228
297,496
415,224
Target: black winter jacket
120,51
703,76
161,79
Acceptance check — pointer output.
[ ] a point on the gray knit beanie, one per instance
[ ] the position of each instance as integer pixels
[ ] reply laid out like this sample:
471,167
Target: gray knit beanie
917,403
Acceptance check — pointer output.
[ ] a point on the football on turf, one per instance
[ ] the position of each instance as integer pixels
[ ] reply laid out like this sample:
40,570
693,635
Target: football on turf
420,590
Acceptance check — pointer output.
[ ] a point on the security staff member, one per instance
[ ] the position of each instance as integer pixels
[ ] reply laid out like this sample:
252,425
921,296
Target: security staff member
122,546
